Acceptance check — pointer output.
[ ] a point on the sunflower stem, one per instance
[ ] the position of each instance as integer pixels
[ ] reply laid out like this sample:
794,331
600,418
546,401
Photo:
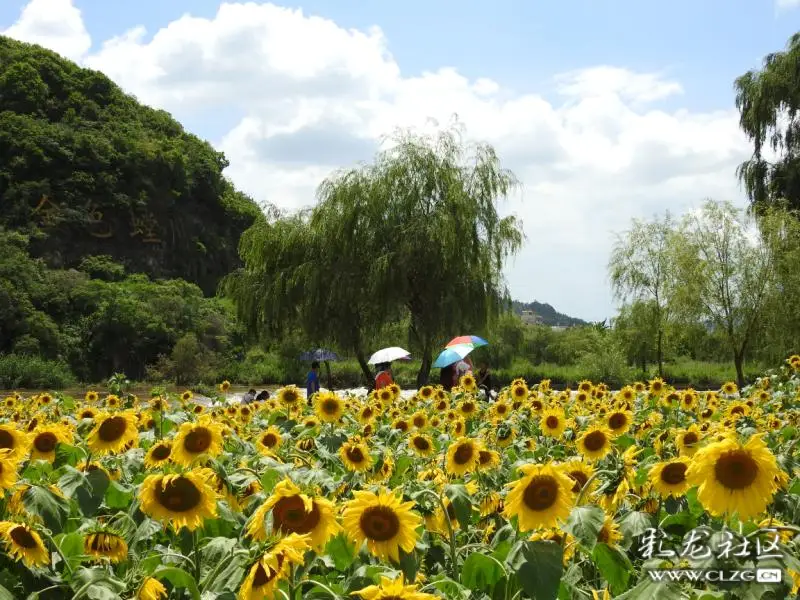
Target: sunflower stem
588,483
60,553
291,583
451,533
196,556
323,586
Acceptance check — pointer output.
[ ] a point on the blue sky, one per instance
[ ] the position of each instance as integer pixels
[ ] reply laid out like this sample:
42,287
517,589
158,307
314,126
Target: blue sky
592,152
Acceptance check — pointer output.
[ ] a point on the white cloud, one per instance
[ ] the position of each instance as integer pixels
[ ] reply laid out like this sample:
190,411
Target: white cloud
314,96
55,24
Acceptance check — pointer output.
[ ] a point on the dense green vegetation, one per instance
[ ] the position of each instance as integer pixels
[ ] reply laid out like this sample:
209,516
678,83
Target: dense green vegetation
86,170
117,226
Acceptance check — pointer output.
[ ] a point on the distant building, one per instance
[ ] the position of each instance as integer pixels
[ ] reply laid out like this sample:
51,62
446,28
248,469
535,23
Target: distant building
531,318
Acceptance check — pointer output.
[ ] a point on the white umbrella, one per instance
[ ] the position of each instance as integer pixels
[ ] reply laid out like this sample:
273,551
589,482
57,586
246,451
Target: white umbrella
388,355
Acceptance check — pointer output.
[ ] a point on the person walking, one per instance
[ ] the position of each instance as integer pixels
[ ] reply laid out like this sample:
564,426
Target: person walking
446,375
384,377
312,381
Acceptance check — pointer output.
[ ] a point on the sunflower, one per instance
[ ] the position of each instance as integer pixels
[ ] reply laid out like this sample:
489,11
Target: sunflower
736,410
385,396
158,455
421,445
490,504
365,414
15,441
393,589
734,477
113,433
595,442
488,459
328,407
184,500
580,473
23,543
105,544
553,422
225,386
419,420
729,388
519,391
91,397
263,577
383,521
151,589
688,441
113,401
295,512
400,425
619,422
8,470
289,396
500,410
203,437
541,498
668,478
609,533
564,540
269,441
656,386
462,456
426,392
505,435
355,455
45,438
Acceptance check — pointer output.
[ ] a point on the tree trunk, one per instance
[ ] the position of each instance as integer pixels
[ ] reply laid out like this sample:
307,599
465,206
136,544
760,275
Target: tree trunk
659,352
328,371
738,361
425,368
369,378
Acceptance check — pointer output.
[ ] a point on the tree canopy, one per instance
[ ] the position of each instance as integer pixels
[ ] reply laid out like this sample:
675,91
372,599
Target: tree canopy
87,170
415,233
768,100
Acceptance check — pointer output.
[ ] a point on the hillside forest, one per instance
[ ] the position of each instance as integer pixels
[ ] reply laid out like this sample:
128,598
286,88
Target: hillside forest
125,249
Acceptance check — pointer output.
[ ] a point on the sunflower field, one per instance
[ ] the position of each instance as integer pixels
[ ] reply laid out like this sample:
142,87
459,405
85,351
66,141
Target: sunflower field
535,493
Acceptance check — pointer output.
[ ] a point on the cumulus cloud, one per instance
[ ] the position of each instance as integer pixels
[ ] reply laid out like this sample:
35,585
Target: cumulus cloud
311,96
55,24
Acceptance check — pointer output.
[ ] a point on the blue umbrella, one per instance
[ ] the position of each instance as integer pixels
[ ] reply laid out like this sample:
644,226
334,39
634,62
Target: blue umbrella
451,356
320,354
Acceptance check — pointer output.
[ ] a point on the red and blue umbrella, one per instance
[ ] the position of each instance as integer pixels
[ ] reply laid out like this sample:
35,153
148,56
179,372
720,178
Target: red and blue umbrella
467,340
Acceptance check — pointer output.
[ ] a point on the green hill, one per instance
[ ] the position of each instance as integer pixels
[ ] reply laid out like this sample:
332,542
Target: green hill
549,315
86,170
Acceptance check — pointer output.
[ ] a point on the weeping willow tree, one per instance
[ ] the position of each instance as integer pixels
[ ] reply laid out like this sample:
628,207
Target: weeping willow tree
429,237
768,101
414,234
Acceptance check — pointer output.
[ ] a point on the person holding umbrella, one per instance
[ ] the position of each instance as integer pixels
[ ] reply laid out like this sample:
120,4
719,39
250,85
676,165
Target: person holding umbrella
384,377
312,381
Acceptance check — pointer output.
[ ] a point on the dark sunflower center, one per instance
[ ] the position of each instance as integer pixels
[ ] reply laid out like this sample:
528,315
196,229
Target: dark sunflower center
355,455
330,407
290,516
264,576
198,440
468,407
537,405
674,473
420,443
419,421
379,523
112,429
401,425
580,479
45,442
594,441
736,470
519,392
617,420
707,413
366,413
22,537
179,495
690,439
290,397
551,422
87,414
269,440
484,457
161,452
541,493
737,410
463,454
6,439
